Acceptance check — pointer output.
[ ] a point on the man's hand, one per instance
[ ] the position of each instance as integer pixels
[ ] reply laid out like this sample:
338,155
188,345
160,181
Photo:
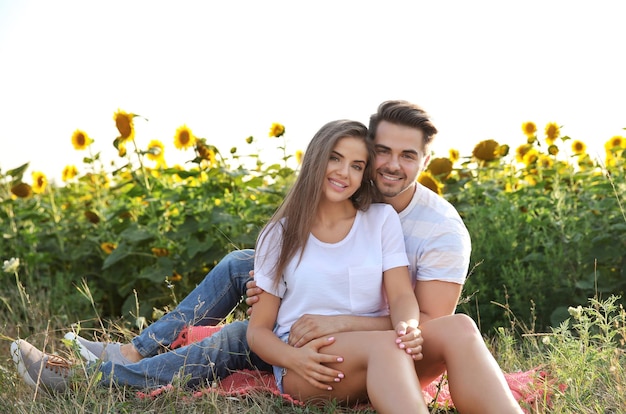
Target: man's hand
252,293
410,339
309,327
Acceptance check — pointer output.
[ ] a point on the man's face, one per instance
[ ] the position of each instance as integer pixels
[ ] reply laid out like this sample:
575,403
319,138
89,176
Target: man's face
399,160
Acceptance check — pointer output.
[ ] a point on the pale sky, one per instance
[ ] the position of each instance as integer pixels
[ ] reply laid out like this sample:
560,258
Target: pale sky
229,69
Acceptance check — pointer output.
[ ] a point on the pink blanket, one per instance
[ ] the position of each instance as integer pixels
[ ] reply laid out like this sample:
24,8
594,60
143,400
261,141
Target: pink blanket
531,388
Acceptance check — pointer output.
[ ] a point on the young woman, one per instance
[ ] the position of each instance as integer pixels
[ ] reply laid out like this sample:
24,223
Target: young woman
328,250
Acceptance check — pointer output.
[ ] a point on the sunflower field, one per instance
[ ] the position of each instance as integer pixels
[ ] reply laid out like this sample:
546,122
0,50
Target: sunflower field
547,222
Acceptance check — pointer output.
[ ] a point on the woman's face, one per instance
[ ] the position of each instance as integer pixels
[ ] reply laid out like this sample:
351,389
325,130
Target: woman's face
345,168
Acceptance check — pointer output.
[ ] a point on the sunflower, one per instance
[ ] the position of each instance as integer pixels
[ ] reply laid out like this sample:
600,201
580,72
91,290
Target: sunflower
176,277
39,182
250,139
21,190
155,151
92,217
529,128
211,159
69,172
553,131
486,150
125,125
440,167
579,147
108,247
585,163
530,157
454,155
160,251
121,150
184,138
299,156
80,140
521,151
202,150
503,150
276,130
430,182
617,142
553,149
545,161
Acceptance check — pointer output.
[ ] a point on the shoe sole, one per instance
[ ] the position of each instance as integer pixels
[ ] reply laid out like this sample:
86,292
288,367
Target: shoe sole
16,354
86,354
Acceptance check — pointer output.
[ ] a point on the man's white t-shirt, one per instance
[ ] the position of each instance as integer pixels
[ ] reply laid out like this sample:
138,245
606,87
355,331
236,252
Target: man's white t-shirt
335,278
438,244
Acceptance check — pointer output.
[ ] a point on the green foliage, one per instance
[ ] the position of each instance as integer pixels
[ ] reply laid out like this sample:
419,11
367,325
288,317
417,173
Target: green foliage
124,232
544,236
582,358
548,230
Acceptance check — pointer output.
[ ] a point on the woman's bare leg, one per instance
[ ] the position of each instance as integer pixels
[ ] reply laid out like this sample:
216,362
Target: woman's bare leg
454,343
374,367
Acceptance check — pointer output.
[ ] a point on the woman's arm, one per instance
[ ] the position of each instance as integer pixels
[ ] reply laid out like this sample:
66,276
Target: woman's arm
404,309
306,362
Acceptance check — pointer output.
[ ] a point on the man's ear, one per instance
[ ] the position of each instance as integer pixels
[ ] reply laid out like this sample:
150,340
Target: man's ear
426,161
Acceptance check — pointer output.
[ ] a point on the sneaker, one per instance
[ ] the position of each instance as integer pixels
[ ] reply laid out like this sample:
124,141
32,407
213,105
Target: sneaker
92,351
37,368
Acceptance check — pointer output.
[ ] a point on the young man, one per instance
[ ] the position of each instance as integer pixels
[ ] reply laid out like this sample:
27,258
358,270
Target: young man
438,248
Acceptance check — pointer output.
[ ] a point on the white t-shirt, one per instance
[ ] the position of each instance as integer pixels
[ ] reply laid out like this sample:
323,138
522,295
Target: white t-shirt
438,244
335,278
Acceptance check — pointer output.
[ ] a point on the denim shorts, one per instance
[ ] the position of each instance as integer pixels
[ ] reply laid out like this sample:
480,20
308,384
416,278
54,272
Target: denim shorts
279,372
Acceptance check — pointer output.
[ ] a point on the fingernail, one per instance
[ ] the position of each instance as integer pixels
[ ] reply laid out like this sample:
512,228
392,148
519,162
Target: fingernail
330,388
340,375
398,340
340,359
331,338
408,351
401,346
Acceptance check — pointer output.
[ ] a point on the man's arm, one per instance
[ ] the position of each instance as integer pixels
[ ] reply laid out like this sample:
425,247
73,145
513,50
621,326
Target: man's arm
437,298
309,327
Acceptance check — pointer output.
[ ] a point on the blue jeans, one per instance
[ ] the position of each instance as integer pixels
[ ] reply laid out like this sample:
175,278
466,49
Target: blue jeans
205,361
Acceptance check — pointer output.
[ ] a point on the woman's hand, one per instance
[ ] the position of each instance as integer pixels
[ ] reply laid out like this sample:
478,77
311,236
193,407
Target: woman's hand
310,364
410,338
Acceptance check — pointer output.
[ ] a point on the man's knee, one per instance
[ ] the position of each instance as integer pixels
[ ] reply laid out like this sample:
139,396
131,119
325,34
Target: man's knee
240,255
